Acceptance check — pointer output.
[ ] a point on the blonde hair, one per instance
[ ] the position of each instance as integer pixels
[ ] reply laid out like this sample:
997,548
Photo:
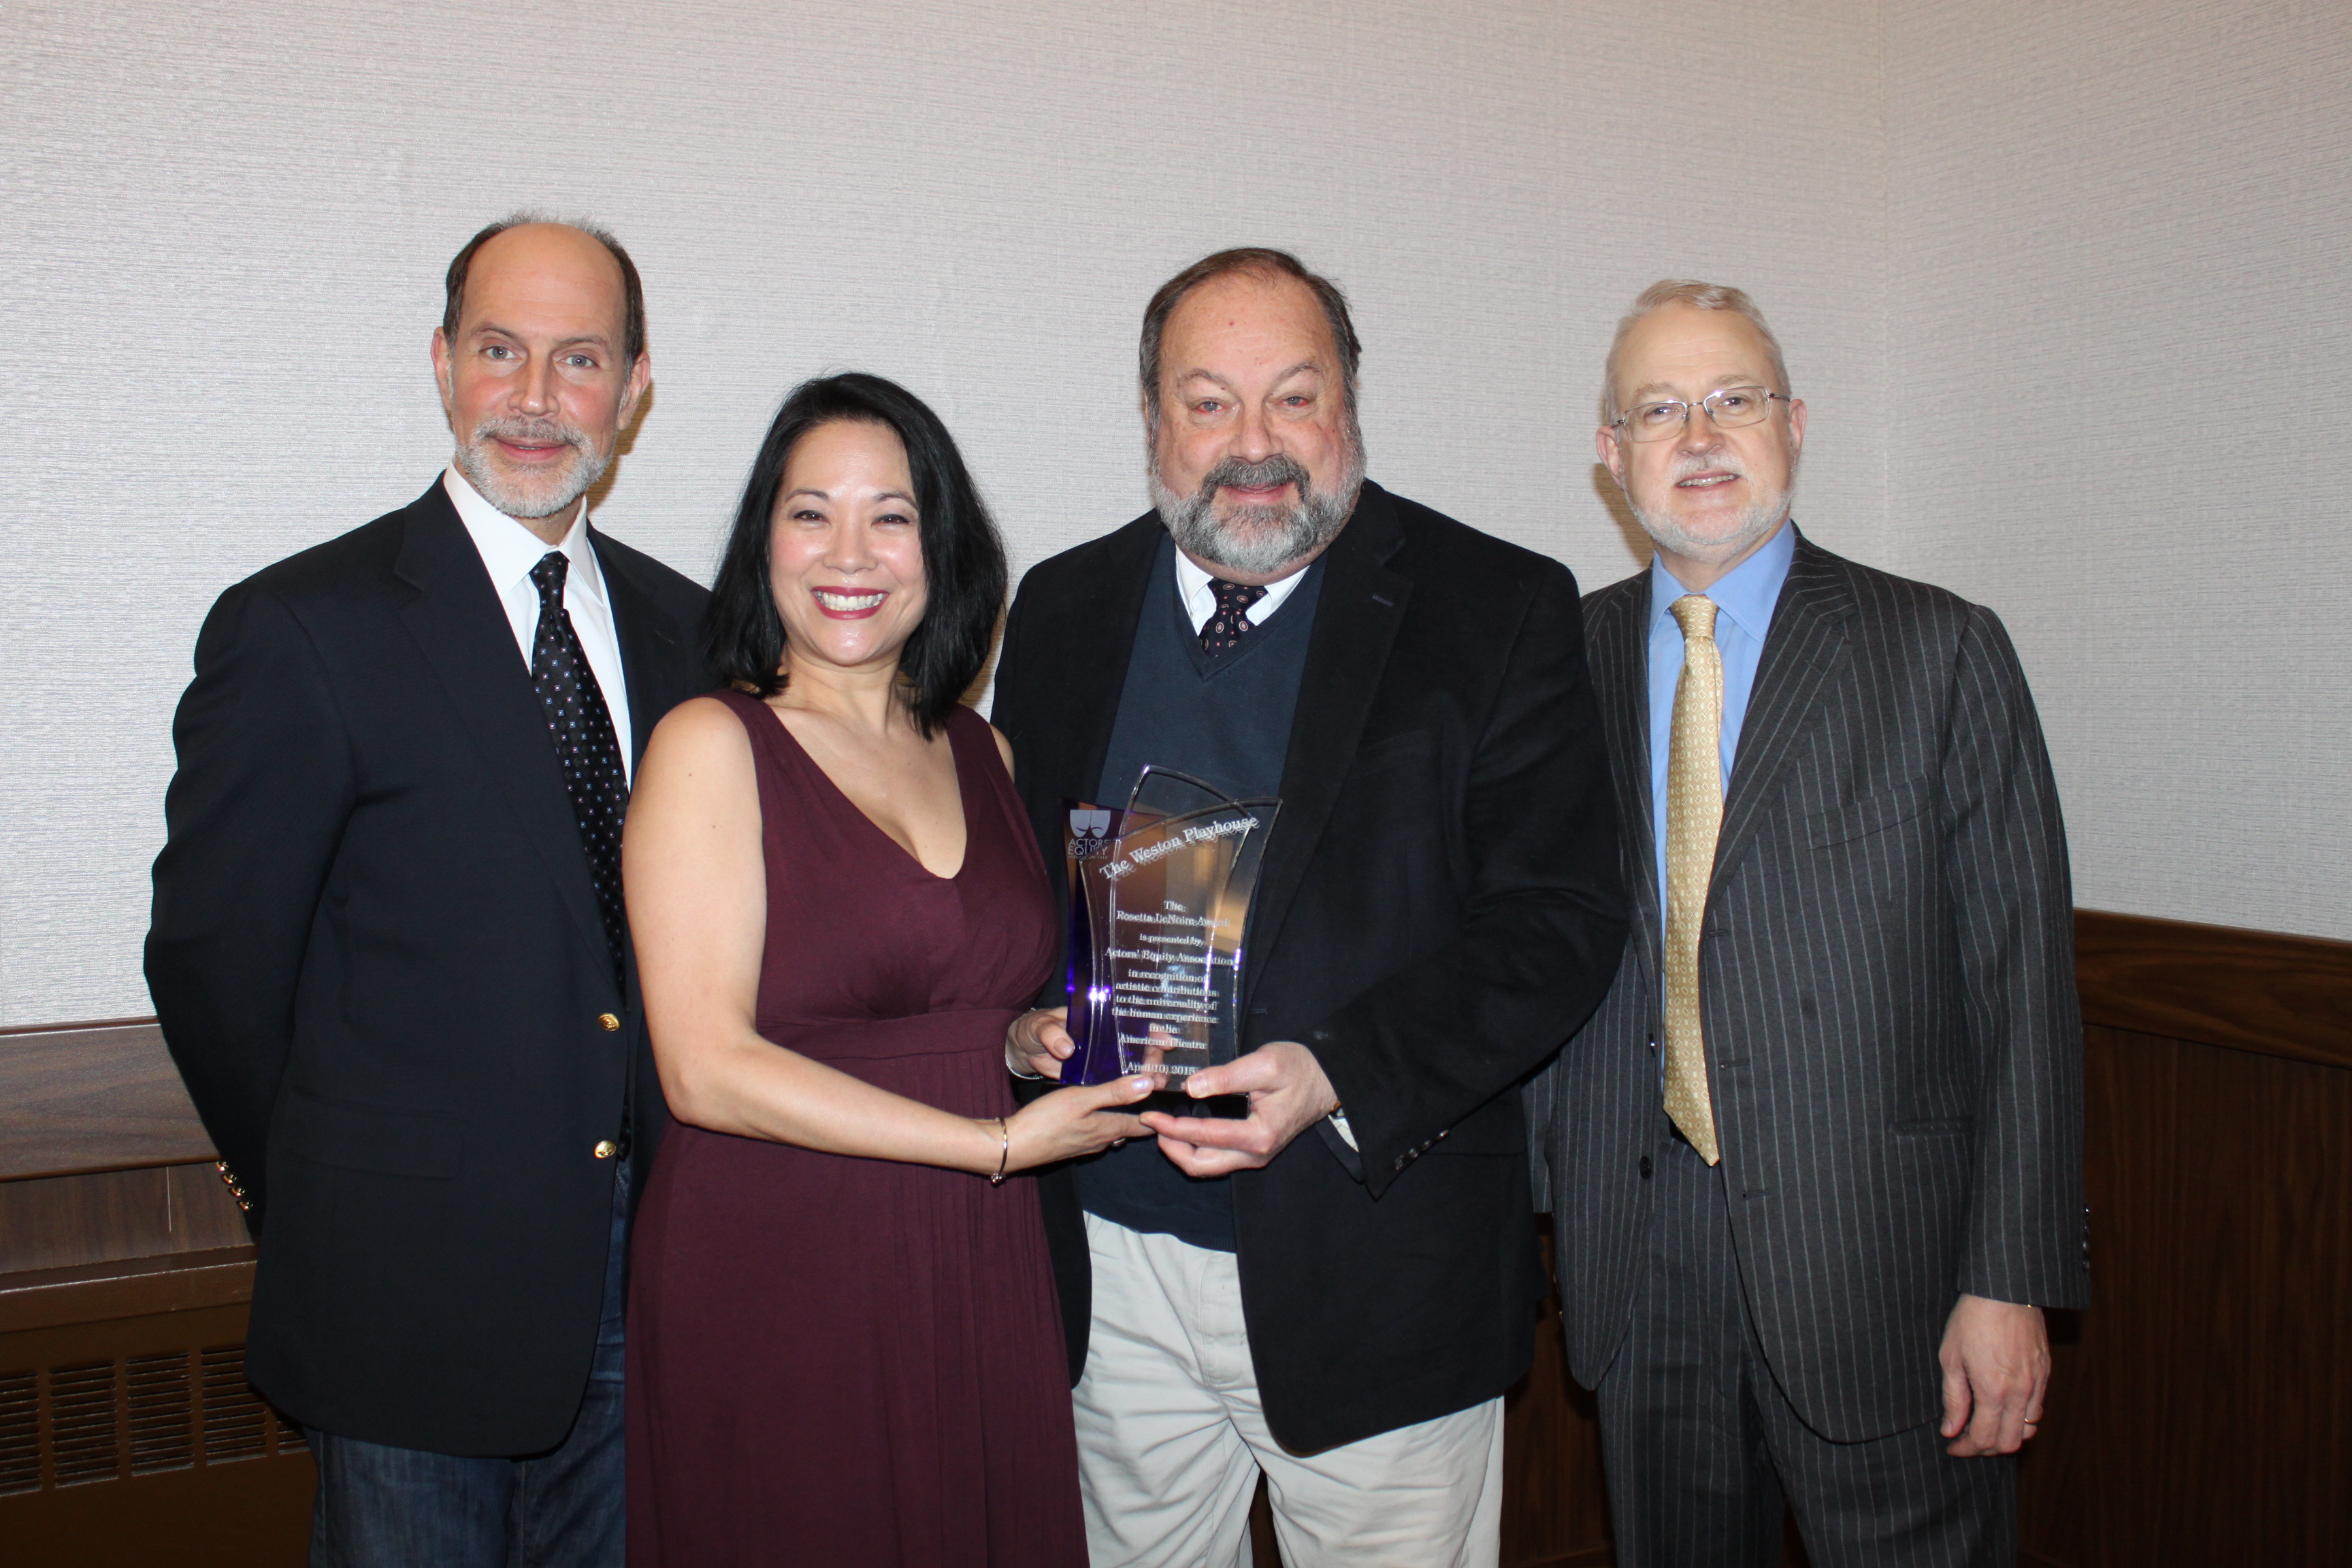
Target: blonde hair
1698,296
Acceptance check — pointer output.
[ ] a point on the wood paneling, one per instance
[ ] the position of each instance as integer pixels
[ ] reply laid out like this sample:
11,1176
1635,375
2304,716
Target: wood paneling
93,1096
101,1156
59,1222
2200,1412
2254,991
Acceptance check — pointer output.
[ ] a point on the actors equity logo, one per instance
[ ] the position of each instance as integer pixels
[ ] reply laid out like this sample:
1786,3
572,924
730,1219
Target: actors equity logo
1089,832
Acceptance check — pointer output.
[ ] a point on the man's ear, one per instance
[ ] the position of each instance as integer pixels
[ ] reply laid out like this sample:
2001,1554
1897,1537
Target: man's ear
441,368
1604,442
1796,426
641,376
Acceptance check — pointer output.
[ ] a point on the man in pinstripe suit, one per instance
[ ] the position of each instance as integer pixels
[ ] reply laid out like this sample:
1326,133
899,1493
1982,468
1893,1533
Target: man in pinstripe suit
1815,1163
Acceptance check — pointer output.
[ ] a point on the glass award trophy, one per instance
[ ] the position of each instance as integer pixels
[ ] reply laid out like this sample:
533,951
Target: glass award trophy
1160,901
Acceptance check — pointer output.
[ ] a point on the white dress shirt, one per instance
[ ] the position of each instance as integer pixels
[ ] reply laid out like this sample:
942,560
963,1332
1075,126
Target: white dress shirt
1200,600
508,551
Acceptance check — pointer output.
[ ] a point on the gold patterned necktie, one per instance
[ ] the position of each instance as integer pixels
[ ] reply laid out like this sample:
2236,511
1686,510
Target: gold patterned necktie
1694,817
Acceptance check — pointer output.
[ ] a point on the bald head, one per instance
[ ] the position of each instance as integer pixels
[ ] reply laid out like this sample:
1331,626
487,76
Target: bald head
526,227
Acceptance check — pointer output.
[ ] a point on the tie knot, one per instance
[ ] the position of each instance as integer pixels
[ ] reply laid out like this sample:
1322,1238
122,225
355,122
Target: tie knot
1695,613
549,576
1235,598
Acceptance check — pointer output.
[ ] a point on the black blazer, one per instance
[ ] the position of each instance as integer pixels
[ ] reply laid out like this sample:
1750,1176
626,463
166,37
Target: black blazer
378,961
1887,979
1438,909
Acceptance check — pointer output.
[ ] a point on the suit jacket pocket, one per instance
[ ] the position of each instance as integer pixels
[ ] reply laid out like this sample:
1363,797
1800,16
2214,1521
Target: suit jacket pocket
1934,1127
380,1138
1870,814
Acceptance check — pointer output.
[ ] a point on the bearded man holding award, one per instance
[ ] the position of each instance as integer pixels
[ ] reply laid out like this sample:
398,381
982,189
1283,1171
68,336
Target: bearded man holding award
1336,1284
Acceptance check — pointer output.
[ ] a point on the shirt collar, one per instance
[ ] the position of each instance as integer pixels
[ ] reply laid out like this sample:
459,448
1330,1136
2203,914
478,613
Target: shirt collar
509,551
1193,582
1747,593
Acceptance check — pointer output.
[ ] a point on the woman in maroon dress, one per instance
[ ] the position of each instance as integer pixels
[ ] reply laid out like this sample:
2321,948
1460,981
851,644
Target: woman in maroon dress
842,1343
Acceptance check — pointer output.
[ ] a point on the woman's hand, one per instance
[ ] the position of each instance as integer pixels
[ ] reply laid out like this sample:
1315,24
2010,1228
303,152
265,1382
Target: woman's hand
1038,1043
1069,1122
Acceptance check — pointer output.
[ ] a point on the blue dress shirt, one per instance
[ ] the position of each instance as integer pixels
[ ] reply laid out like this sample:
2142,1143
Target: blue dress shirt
1744,598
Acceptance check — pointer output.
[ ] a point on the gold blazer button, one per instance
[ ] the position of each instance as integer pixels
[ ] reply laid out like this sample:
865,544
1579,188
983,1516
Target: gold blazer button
609,1021
607,1149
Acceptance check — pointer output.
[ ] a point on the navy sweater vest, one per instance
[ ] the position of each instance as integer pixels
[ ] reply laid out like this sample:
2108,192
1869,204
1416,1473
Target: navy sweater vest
1226,720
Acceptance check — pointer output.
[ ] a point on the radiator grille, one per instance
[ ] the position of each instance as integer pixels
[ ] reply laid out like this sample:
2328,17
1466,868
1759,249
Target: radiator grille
236,1424
142,1415
157,1413
84,1445
20,1434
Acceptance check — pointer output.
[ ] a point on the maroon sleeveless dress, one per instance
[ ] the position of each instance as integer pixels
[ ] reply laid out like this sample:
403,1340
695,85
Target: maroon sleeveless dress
842,1361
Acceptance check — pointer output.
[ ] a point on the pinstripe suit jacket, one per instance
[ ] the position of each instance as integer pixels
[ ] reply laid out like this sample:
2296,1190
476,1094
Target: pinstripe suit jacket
1894,1043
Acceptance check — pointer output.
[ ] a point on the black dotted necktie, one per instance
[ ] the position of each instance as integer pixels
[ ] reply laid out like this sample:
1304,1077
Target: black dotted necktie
584,742
1226,626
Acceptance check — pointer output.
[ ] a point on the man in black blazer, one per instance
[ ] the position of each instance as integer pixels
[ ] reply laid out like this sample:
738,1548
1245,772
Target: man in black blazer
1815,1163
1339,1287
389,954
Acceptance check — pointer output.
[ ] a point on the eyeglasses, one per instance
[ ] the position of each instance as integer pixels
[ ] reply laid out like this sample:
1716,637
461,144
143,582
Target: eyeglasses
1729,408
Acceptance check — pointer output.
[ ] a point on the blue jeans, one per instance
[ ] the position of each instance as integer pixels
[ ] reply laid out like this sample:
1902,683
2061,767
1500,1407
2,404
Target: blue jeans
381,1507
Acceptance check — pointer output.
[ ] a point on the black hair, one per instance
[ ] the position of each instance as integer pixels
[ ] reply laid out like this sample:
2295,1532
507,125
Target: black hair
632,291
964,574
1266,262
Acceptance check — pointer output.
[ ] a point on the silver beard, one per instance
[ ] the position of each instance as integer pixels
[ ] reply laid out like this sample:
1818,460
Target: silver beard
1763,516
588,462
1259,540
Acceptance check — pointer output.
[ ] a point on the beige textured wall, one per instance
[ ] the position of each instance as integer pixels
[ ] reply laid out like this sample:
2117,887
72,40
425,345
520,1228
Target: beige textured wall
2120,330
226,224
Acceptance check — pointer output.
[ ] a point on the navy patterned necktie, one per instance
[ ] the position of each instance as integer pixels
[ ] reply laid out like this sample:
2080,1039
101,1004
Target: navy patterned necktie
1226,626
584,743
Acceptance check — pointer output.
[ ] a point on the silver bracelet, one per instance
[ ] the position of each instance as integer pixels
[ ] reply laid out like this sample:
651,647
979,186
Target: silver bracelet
1004,1151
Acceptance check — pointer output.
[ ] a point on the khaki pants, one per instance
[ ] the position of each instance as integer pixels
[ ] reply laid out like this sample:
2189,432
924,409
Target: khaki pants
1171,1438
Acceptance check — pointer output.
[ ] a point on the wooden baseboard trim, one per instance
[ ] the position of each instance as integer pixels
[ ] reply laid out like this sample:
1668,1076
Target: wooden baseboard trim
72,1028
132,1288
2217,985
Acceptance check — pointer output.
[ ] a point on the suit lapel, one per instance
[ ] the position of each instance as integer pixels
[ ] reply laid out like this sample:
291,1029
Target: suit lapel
1620,641
649,642
1806,645
464,633
1360,607
1097,640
